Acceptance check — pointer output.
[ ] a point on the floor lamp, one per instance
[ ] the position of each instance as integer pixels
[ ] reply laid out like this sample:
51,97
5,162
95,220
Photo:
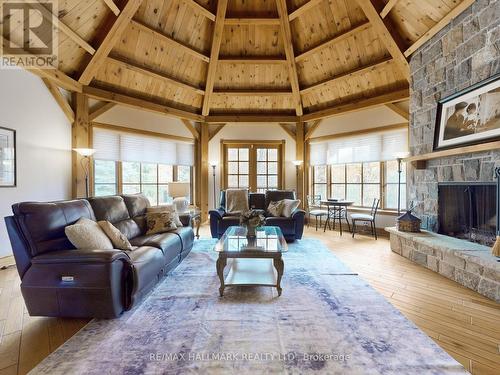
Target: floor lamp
399,158
85,153
213,165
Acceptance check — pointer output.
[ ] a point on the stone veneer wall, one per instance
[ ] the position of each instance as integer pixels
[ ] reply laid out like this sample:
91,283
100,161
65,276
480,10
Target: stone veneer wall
465,52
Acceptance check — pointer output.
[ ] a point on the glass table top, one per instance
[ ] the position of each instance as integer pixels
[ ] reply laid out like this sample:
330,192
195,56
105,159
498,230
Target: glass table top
267,239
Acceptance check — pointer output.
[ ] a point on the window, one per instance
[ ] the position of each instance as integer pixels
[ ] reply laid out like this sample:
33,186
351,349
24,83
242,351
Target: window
257,167
105,182
361,183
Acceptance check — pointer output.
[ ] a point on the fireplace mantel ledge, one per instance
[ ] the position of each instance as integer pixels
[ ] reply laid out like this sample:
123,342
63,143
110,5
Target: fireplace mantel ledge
471,265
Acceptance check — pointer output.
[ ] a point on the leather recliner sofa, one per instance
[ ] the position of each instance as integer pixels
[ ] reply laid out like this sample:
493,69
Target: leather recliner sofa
60,281
292,227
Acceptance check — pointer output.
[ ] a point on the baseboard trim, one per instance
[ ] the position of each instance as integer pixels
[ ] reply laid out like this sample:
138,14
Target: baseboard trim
7,261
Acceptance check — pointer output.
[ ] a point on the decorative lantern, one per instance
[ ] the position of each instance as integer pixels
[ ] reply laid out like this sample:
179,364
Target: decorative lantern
408,222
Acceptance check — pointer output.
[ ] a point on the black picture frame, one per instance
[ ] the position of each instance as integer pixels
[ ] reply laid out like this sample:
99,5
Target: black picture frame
469,95
14,161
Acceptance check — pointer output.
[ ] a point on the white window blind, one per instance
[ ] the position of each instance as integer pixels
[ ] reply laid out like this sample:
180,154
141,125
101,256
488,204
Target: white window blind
377,146
122,146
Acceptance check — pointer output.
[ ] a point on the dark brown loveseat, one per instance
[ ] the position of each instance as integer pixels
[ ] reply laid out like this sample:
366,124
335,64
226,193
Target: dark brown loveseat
58,280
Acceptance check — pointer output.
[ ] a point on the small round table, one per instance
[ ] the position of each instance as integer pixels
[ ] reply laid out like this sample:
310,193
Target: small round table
337,210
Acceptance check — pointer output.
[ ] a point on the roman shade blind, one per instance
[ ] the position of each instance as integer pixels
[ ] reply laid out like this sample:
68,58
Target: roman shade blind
376,146
122,146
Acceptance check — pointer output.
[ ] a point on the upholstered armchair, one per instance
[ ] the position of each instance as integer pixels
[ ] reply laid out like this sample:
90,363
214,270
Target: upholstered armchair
292,227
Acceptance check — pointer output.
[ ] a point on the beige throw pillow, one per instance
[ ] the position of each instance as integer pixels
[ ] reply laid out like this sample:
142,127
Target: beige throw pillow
159,222
236,200
289,205
167,207
119,240
275,208
87,234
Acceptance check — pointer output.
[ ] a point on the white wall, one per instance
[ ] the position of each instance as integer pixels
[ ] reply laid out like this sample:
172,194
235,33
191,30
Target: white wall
43,144
251,131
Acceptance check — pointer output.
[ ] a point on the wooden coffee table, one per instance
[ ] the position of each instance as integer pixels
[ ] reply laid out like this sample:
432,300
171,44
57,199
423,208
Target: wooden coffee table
256,261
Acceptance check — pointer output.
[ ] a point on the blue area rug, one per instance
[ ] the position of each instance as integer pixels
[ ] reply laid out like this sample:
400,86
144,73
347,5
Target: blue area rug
328,320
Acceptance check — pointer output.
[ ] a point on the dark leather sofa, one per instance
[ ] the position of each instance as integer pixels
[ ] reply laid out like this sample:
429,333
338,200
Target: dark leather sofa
292,227
60,281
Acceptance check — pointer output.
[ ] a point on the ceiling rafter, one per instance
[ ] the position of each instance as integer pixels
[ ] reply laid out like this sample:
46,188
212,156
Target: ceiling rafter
385,36
100,110
256,117
253,92
351,73
191,128
109,41
335,39
53,18
112,6
60,99
135,102
200,9
135,67
184,47
252,60
388,7
359,104
214,54
290,56
252,21
303,8
455,12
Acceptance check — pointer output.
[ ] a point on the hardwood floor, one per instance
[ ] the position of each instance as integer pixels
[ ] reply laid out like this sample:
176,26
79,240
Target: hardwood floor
462,322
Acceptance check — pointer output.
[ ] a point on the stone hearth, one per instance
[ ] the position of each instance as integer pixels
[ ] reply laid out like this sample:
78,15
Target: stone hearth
467,263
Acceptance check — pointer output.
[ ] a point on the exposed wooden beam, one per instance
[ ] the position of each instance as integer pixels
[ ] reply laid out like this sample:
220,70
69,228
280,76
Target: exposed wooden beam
60,99
251,92
220,127
181,46
360,132
204,167
139,103
252,21
135,67
260,117
288,131
112,6
200,9
388,7
385,36
336,39
128,129
214,54
312,129
352,73
80,131
191,128
401,112
252,60
455,12
358,105
290,55
304,8
300,155
55,75
53,18
101,109
109,41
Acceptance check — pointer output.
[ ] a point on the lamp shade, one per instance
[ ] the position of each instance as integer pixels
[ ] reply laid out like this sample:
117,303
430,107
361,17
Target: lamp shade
179,189
85,151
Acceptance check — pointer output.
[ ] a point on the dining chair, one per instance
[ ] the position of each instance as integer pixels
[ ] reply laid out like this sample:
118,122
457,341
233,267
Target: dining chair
367,218
315,209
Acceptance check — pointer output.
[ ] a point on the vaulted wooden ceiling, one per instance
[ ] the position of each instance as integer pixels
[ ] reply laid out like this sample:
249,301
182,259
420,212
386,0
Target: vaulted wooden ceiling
305,59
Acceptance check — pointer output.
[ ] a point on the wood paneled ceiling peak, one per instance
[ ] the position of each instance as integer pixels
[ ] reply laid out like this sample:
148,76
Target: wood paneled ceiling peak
210,60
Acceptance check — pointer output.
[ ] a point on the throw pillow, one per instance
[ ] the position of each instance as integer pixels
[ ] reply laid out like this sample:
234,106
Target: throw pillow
87,234
159,222
236,200
275,208
289,205
119,240
169,208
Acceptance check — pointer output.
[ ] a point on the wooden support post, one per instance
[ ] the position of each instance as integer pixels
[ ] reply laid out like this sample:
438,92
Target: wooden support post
204,188
299,155
80,138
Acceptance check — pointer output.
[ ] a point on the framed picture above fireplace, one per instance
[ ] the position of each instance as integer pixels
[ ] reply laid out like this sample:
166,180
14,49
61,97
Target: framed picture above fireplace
469,117
7,157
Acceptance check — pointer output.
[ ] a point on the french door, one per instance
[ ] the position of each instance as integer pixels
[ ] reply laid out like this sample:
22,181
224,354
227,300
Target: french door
254,166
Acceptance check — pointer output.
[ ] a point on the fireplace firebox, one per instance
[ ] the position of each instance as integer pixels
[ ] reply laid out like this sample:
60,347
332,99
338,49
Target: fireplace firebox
468,211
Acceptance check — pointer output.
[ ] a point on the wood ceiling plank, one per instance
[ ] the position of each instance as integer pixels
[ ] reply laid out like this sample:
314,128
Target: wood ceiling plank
200,9
399,111
214,54
304,8
290,55
439,26
101,109
385,36
115,32
266,118
112,6
252,60
60,99
253,92
252,21
359,104
388,7
134,102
